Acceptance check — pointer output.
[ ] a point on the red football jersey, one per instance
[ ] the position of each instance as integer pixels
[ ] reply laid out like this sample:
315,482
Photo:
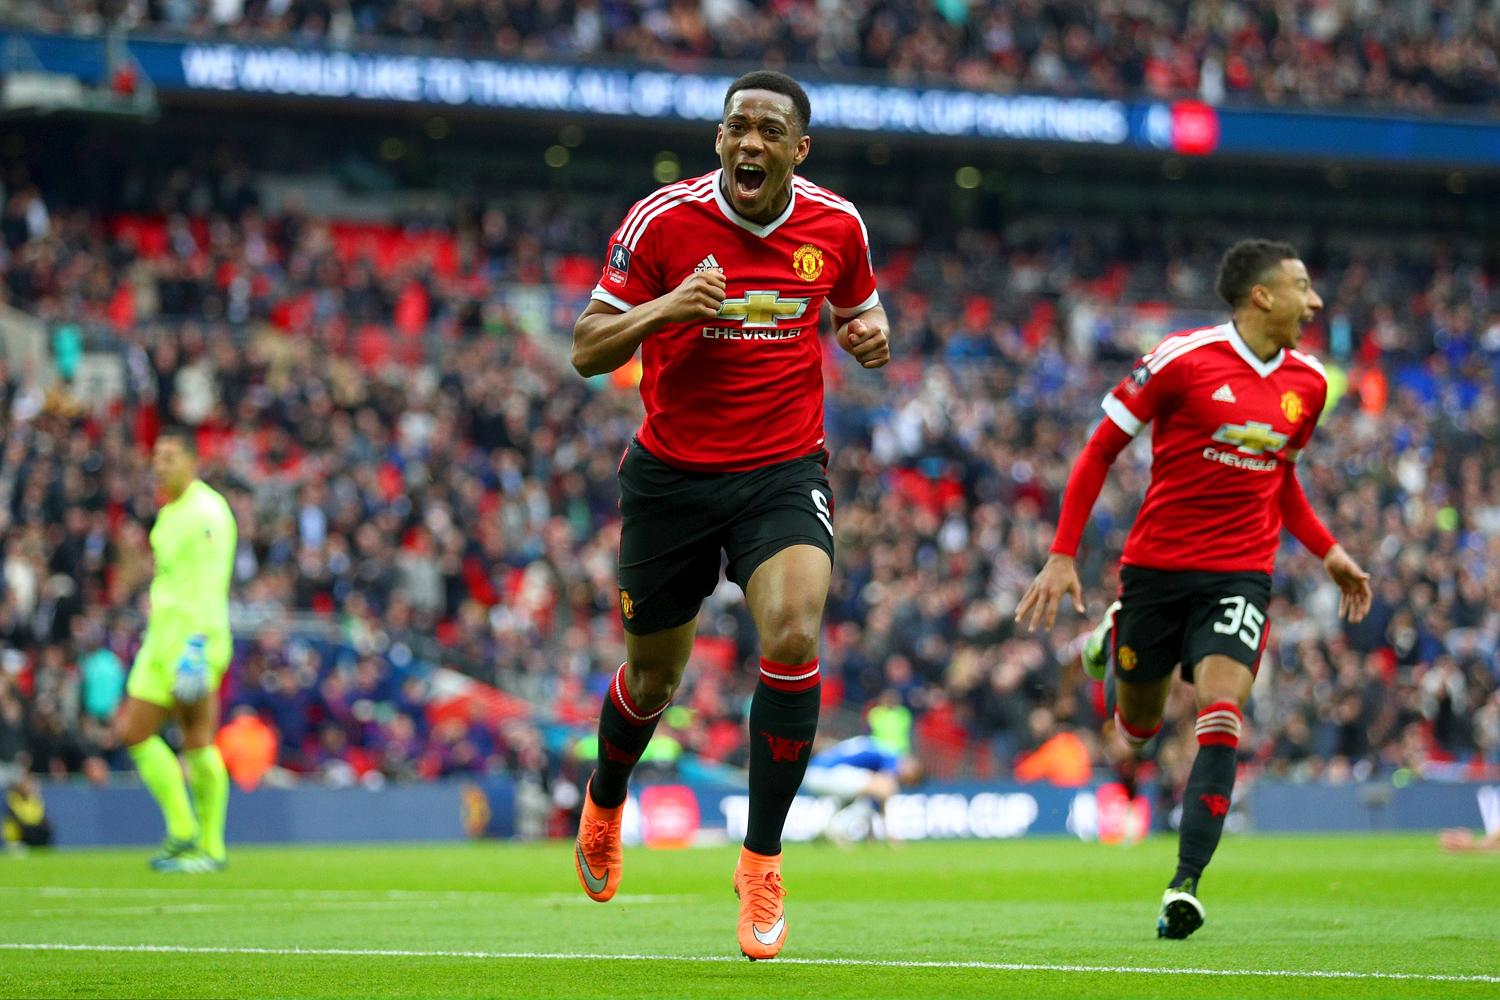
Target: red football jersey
1225,421
744,389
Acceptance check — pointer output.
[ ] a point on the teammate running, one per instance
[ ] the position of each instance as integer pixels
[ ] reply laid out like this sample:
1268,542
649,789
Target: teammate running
1233,405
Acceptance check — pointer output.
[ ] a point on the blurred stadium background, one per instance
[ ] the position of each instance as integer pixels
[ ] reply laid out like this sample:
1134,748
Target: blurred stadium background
346,240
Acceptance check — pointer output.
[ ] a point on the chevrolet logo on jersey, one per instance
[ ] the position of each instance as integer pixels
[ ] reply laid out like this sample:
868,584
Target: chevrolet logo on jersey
762,310
1252,438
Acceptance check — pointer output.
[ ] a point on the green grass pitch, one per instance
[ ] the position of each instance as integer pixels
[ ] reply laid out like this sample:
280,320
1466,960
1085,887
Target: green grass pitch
1385,916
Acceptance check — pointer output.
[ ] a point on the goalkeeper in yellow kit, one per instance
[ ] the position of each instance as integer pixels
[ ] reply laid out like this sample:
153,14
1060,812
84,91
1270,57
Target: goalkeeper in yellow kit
182,659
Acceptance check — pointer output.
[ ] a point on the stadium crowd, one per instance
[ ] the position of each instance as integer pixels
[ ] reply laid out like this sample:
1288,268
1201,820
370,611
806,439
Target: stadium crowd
410,458
1312,52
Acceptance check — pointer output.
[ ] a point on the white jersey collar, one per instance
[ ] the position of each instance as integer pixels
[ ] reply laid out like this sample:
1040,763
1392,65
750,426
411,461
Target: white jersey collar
744,223
1262,368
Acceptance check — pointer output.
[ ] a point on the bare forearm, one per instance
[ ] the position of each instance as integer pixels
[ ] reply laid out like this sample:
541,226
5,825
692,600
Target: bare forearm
604,341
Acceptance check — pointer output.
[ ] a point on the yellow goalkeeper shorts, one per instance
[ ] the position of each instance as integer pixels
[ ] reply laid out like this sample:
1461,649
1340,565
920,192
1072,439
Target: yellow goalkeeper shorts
155,667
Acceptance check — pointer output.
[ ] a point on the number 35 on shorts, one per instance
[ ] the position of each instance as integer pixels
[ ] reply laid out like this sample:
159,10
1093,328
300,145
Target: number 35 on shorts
1242,617
825,510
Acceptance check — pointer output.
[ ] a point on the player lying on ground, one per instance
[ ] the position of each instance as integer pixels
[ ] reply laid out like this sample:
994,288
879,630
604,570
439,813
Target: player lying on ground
1459,841
862,775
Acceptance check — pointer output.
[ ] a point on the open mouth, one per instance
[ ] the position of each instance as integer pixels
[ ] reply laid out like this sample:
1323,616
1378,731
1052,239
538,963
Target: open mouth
748,180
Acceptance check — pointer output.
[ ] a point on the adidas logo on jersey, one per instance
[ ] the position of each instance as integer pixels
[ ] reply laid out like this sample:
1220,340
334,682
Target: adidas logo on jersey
709,263
1224,394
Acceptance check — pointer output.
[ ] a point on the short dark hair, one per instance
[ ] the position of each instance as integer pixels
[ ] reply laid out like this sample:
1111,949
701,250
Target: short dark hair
777,83
184,436
1245,265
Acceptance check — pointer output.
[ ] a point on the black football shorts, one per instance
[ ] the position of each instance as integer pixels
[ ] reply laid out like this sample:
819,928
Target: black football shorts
678,527
1170,617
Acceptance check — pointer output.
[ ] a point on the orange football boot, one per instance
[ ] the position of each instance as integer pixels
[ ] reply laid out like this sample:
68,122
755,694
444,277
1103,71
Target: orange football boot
597,855
757,881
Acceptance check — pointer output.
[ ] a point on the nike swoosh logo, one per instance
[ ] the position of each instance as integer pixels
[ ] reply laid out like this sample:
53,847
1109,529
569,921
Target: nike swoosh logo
770,936
595,883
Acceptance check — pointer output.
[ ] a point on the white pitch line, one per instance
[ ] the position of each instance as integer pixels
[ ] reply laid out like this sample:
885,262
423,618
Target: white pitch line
332,897
868,963
418,895
107,909
301,906
100,890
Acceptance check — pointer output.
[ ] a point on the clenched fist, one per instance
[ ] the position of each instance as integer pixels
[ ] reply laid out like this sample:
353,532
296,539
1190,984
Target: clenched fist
866,341
698,297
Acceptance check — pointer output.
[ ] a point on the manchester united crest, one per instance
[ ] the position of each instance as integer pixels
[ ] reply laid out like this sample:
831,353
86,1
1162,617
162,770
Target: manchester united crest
1291,405
1127,658
808,262
627,606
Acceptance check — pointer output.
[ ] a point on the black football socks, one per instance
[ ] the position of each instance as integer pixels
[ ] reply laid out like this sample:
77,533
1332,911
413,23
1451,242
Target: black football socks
1205,803
624,731
783,721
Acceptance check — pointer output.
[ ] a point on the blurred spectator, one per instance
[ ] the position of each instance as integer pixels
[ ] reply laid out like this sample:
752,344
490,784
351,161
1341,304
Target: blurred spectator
24,822
103,676
1059,758
890,724
248,746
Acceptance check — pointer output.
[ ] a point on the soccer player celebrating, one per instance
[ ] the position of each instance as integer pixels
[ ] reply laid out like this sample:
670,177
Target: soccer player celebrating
720,281
1233,406
182,659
